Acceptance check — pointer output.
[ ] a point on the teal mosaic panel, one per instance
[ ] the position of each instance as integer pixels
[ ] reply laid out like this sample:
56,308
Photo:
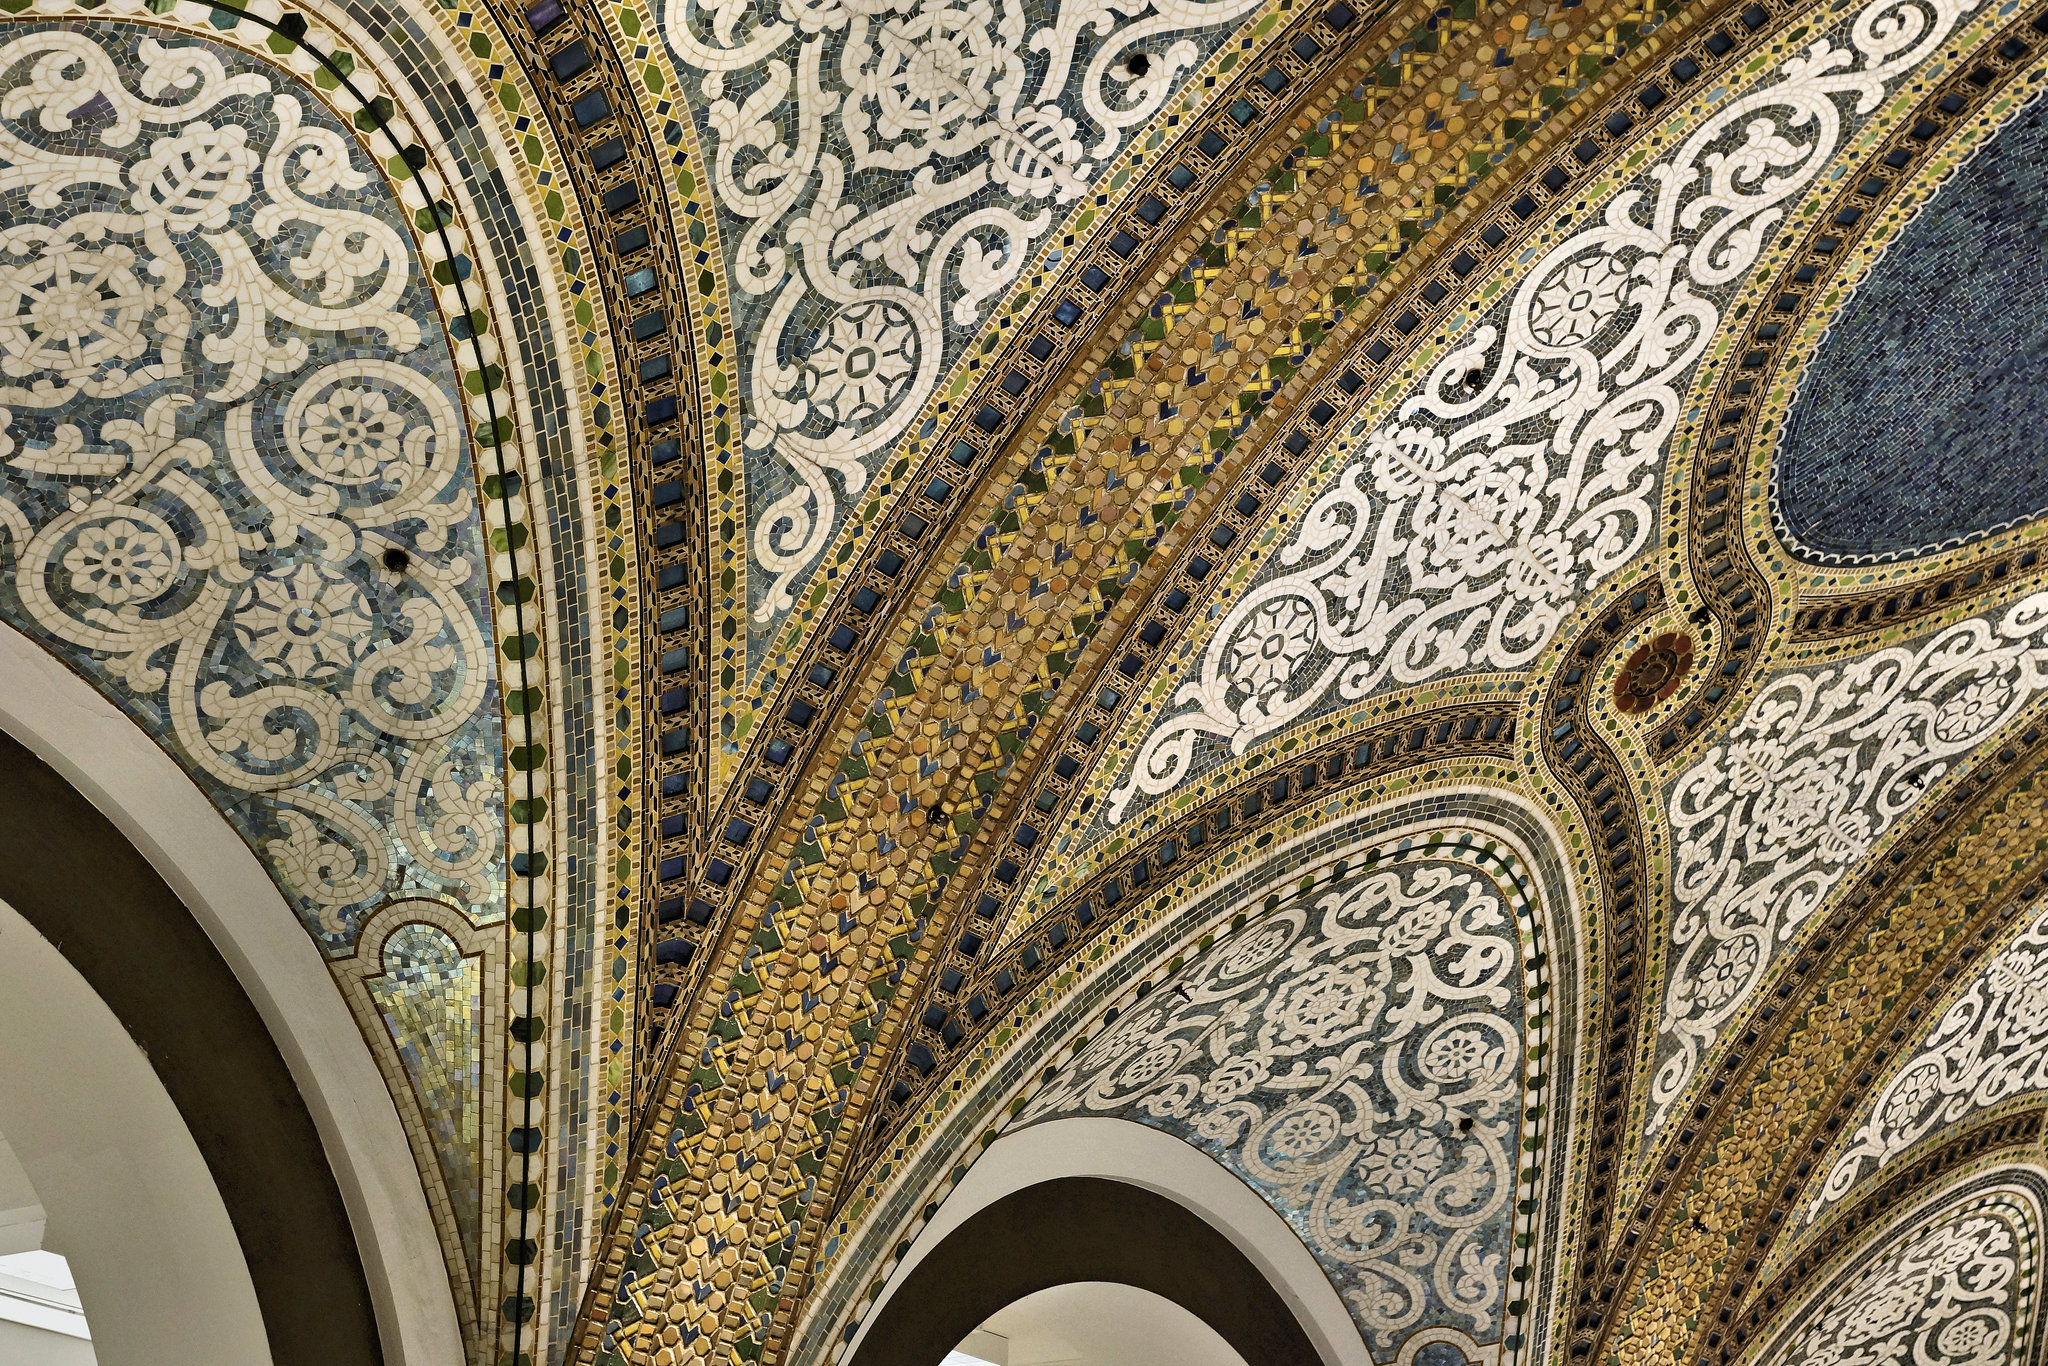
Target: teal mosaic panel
235,486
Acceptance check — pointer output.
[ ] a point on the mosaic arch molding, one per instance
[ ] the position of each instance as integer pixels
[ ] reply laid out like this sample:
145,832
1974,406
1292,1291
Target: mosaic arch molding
504,509
1689,712
1074,751
1177,924
737,937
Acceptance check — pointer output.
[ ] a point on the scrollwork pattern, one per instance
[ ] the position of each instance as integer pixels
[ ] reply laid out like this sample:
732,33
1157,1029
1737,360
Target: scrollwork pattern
1952,1293
1820,766
886,167
274,563
1359,1061
1521,473
1988,1047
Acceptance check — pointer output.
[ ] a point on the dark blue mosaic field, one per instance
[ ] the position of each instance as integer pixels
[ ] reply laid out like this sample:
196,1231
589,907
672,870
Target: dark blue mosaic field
1919,422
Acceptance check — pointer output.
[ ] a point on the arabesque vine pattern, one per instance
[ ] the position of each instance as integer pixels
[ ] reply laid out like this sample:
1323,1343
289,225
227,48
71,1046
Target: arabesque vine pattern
1989,1047
1521,473
1818,769
1359,1061
889,165
223,495
1952,1293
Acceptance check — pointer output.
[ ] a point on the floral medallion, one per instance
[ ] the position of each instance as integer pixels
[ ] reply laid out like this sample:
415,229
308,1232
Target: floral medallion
1652,674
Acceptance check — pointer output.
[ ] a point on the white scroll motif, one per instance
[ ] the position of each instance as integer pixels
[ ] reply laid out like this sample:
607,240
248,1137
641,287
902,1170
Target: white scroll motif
90,304
890,193
1359,1063
221,556
1522,473
1820,766
1990,1046
1948,1295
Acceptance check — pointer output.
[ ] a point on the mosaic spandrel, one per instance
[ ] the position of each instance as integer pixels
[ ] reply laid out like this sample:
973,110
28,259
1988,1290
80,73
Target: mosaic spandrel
882,173
234,478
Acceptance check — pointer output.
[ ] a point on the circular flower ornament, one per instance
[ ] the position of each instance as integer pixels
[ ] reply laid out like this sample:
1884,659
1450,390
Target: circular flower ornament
305,624
1402,1163
866,360
1281,635
354,436
1578,301
1725,972
1302,1132
1458,1055
1974,710
1910,1095
1979,1336
120,561
1149,1066
1652,674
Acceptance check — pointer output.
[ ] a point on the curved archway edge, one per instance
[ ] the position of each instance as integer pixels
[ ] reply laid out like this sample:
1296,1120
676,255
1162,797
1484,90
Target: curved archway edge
1082,1228
342,1242
1170,1220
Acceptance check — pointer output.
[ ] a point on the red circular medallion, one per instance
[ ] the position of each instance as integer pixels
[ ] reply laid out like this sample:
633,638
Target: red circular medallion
1653,673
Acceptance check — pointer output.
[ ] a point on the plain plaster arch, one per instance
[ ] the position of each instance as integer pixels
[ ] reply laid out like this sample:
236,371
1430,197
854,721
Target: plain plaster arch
1100,1323
1125,1151
96,747
127,1196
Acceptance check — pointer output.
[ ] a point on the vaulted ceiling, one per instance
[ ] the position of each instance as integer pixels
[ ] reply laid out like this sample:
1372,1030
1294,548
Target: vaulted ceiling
1441,602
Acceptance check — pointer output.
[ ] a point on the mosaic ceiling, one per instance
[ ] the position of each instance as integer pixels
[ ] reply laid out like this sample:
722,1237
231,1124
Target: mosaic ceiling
1442,602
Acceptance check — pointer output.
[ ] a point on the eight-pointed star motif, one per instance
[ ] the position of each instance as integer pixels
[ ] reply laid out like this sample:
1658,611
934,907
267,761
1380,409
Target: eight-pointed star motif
304,623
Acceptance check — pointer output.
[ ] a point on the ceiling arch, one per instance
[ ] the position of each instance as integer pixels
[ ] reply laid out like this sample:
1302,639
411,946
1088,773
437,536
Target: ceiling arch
1399,427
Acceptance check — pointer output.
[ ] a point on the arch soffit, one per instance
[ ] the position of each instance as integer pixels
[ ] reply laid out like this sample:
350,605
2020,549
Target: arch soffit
118,1172
1139,1155
151,800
